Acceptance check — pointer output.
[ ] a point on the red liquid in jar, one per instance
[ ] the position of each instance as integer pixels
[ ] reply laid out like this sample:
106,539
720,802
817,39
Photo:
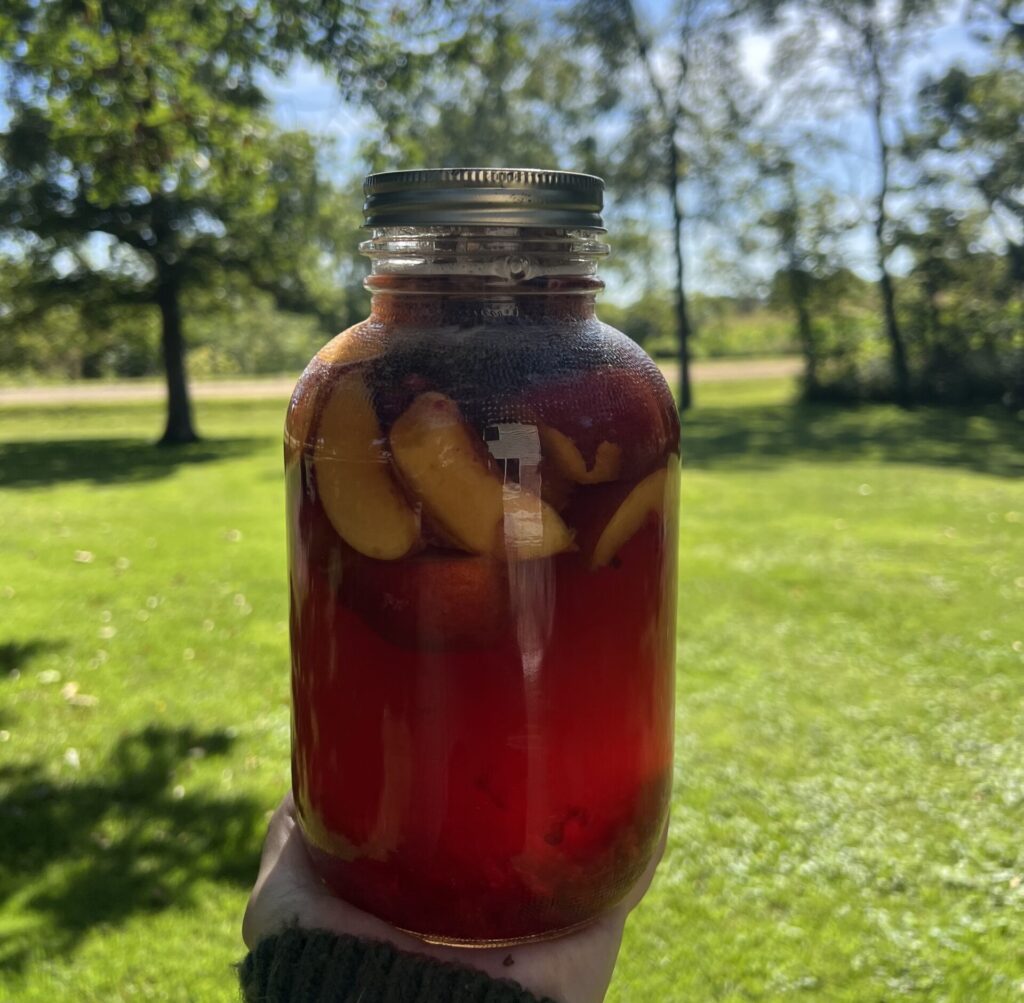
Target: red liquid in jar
482,747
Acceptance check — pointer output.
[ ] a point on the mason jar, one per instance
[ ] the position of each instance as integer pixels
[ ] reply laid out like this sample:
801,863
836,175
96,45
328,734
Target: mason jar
482,496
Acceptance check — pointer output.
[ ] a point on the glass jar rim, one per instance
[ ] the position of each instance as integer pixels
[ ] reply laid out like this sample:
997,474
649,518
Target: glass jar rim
509,254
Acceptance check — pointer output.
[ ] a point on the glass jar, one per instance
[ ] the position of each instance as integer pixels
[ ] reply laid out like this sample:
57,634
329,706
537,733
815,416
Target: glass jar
482,493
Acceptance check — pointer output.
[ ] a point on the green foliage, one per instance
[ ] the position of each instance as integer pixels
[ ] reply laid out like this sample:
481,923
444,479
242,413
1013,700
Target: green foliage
140,162
845,335
234,330
955,318
240,333
647,320
144,123
962,305
483,84
848,792
725,327
966,329
964,332
972,136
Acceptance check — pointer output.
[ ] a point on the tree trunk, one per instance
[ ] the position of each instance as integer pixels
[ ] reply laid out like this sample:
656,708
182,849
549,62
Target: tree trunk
683,329
897,351
892,331
799,280
799,293
670,120
179,429
1015,253
92,365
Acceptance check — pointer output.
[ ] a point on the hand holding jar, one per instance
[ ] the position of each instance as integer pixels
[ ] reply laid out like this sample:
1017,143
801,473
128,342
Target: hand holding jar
290,908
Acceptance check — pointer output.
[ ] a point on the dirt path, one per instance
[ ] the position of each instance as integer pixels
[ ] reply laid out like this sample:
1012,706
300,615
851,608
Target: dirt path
725,370
276,387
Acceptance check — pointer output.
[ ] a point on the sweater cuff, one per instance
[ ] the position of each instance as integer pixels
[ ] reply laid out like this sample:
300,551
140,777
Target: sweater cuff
316,965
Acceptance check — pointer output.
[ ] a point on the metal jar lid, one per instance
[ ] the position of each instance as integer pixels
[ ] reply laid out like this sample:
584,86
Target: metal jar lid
483,196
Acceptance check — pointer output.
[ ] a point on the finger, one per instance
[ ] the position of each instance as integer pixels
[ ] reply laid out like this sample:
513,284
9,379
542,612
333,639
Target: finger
278,830
292,863
283,861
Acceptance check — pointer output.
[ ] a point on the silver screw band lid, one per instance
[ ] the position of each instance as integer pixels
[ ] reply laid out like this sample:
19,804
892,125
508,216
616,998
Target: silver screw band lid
483,196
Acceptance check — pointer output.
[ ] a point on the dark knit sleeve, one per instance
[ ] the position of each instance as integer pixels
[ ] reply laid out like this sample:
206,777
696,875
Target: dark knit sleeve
315,966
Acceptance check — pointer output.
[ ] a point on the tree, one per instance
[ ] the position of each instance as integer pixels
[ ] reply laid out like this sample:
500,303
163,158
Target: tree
967,231
799,215
972,130
483,85
786,220
683,94
91,336
139,160
867,41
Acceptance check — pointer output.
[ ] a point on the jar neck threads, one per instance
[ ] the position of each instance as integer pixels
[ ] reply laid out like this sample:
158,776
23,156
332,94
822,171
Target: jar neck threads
477,274
511,258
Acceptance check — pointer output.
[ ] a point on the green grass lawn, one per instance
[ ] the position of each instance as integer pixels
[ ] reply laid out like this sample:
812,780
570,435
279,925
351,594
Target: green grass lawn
849,799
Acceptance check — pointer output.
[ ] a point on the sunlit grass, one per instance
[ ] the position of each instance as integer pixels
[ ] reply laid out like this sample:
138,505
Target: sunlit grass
850,781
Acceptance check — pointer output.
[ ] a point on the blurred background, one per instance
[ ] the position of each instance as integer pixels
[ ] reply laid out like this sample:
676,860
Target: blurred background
816,210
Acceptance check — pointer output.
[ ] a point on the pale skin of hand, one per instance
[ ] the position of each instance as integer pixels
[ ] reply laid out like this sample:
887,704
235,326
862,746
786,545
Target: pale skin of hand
575,968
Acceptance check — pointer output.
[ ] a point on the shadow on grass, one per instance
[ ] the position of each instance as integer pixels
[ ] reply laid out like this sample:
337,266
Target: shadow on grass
38,463
81,855
745,436
14,655
751,437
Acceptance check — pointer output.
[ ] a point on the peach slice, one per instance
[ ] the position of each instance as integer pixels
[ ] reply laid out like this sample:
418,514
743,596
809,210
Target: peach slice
436,602
645,498
569,462
355,344
595,410
357,489
448,468
298,422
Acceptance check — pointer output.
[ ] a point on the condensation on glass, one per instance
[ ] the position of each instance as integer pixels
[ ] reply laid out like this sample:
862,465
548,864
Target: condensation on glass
482,494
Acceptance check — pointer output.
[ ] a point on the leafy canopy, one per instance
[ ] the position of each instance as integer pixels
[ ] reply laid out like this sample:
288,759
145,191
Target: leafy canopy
139,148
